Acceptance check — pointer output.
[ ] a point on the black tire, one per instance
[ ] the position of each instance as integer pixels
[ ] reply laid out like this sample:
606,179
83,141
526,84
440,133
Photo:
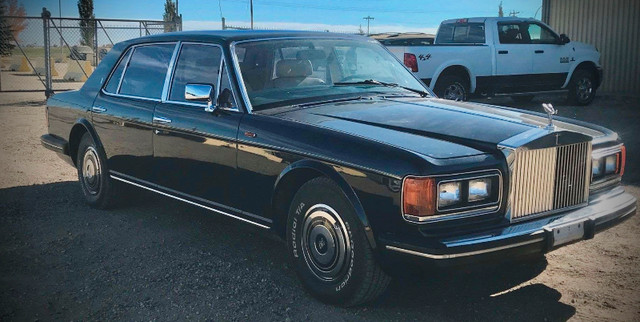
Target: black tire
452,87
582,87
523,98
97,186
328,247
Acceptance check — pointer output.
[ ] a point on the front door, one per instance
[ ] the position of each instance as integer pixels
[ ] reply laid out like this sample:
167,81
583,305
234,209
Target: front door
551,58
195,150
123,110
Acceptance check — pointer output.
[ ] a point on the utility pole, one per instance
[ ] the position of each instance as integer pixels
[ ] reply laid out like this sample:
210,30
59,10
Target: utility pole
251,8
368,19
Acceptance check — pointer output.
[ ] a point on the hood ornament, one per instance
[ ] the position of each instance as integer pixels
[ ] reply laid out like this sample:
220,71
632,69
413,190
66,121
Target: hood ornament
551,111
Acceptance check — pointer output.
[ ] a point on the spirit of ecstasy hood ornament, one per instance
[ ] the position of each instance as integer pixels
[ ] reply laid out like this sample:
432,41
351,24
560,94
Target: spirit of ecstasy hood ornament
550,112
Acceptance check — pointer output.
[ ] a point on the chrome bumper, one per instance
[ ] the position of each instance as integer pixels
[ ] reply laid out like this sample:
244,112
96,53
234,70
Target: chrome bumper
605,209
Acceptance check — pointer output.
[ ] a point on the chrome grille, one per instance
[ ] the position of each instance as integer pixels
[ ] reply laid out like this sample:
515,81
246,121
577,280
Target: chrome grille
543,180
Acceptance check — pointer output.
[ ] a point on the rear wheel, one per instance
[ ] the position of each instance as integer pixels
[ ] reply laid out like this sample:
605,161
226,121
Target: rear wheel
452,87
582,87
97,186
328,247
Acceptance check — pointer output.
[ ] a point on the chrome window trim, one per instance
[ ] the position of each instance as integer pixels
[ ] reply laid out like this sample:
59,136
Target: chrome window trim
170,78
130,96
169,75
238,72
466,211
127,56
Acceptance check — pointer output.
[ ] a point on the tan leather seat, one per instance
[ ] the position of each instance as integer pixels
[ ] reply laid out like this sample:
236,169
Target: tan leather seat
295,72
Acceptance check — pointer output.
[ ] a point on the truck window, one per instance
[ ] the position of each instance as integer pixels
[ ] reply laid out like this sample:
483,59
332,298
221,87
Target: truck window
144,76
512,33
461,33
542,35
197,64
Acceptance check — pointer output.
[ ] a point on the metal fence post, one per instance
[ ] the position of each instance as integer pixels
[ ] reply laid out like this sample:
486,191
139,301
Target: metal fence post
95,42
46,15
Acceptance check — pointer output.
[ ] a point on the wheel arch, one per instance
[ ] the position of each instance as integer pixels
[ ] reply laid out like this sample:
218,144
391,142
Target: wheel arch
455,68
81,127
585,64
293,177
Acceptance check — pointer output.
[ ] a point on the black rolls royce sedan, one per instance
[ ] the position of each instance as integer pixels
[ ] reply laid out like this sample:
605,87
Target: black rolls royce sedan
330,142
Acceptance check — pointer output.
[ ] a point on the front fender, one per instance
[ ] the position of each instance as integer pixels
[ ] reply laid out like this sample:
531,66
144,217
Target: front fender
332,174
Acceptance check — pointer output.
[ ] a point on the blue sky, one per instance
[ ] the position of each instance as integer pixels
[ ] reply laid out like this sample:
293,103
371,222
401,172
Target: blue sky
335,15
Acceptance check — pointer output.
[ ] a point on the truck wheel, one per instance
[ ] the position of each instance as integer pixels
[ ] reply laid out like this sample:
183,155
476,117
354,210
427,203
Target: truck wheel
97,186
328,247
452,87
522,98
582,88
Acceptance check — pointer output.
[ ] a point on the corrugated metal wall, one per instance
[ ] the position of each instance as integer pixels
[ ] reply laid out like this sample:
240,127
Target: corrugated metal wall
613,26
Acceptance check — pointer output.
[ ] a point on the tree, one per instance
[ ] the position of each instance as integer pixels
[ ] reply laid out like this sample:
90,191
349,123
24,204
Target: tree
18,24
6,40
170,16
87,24
500,12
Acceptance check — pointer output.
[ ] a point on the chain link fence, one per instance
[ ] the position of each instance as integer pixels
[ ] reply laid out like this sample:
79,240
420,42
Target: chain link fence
73,46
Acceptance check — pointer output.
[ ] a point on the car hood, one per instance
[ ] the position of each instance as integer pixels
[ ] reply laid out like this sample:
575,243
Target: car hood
433,127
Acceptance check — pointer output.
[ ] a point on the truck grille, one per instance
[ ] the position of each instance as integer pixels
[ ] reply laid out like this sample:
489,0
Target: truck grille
548,179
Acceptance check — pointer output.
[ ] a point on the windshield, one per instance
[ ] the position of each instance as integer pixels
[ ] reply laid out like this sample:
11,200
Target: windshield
298,71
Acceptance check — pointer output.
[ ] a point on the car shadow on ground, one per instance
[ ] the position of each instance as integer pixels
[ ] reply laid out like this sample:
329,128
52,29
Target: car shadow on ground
156,258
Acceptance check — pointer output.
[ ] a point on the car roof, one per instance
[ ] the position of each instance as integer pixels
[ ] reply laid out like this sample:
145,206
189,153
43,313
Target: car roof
485,19
237,35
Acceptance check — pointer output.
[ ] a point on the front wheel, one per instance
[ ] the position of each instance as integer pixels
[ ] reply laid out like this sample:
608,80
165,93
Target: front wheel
452,87
582,87
97,186
328,247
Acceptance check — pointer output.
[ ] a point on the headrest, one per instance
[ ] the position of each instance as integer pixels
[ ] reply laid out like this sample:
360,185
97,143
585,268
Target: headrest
293,68
311,54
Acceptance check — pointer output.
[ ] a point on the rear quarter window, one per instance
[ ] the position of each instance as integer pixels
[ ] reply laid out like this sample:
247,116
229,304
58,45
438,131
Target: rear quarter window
145,74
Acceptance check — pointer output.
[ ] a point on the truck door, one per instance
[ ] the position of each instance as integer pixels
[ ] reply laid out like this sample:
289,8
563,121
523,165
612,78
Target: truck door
551,58
513,58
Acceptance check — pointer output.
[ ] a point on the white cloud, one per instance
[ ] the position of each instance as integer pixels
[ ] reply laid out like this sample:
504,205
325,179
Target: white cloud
210,25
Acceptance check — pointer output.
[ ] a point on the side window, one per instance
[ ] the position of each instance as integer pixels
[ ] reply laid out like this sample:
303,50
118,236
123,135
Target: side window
226,98
197,64
541,35
145,74
511,33
116,76
461,33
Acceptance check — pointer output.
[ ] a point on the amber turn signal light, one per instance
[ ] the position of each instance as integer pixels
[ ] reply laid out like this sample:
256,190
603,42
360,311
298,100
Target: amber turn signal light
419,196
622,163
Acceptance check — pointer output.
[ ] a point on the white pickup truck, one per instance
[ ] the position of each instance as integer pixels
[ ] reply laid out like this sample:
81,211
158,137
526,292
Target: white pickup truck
511,56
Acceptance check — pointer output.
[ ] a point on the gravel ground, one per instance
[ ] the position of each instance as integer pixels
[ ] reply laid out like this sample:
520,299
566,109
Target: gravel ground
157,259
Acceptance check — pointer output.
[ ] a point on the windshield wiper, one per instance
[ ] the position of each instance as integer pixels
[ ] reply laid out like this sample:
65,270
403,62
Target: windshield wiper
385,84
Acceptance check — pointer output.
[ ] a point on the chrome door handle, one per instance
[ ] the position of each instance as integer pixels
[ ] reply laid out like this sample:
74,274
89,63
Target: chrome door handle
160,119
98,109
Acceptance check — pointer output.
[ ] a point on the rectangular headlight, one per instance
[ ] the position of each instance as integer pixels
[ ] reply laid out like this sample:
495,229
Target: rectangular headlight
596,169
448,194
611,164
479,189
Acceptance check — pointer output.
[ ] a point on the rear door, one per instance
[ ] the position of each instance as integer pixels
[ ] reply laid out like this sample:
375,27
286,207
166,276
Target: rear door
550,57
195,150
123,110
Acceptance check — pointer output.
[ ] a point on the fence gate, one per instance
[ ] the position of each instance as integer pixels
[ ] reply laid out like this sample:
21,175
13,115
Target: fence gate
48,54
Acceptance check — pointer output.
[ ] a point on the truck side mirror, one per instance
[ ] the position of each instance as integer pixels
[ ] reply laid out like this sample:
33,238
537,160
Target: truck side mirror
564,39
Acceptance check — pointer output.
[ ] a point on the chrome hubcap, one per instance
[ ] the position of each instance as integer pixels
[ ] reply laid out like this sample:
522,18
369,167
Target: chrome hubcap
584,89
454,92
91,171
325,242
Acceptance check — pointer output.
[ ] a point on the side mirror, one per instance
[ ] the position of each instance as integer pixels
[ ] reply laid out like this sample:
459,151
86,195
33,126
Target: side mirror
564,39
200,93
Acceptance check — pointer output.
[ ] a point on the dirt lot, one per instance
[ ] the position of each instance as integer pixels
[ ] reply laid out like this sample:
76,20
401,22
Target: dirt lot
156,258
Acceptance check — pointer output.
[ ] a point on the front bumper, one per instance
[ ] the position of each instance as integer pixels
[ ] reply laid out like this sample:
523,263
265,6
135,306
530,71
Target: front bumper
536,236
